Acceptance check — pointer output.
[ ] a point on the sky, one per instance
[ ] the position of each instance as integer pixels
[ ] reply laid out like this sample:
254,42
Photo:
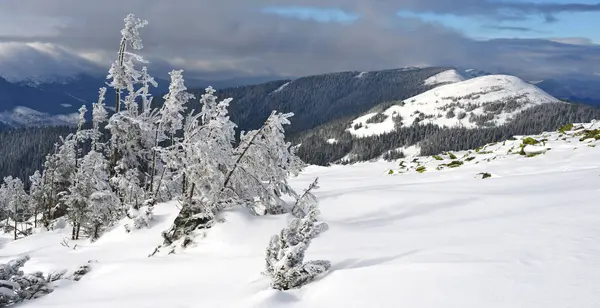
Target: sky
231,38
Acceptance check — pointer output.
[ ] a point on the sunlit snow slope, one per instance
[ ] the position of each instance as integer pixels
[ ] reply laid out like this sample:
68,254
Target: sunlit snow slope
526,237
495,97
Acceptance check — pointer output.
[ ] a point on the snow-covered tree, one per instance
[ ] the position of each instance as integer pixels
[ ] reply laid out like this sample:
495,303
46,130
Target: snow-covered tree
17,202
122,71
132,131
202,157
99,118
304,202
264,163
285,253
91,201
36,195
172,111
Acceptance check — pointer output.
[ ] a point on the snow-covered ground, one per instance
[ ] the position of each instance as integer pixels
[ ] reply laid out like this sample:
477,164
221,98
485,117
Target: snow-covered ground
469,97
449,76
529,236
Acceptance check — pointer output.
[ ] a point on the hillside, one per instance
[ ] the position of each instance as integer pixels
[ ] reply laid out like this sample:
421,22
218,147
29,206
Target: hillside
483,101
461,113
526,237
319,99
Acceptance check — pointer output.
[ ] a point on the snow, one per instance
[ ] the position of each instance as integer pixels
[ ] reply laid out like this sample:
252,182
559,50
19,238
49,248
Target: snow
25,116
435,103
281,87
66,105
449,76
332,141
361,74
527,237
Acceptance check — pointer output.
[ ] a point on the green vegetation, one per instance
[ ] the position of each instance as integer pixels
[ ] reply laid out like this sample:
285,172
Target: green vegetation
437,157
566,128
589,134
530,141
469,158
452,156
420,169
455,163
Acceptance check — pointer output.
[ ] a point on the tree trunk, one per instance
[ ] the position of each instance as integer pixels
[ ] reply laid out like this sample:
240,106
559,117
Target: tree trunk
73,231
95,236
77,232
15,219
120,60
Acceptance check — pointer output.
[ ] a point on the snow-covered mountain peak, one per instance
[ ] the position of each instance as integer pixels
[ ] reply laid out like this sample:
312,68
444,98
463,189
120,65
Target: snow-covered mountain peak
481,101
445,77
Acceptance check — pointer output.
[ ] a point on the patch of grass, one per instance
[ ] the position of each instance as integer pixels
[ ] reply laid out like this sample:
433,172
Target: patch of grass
455,163
391,171
452,156
591,145
421,169
566,128
530,141
469,158
437,157
589,134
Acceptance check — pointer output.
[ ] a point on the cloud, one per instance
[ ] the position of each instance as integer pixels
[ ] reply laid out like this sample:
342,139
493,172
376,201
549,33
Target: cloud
509,28
238,38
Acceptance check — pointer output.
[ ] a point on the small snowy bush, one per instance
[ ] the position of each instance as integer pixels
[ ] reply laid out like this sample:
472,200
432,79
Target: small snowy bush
15,286
141,216
285,253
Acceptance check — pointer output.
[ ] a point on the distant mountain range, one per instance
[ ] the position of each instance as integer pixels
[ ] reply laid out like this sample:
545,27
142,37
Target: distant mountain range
54,100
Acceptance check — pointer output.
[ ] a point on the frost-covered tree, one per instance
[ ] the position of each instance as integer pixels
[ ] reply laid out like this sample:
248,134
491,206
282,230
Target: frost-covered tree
169,124
132,131
36,195
91,202
217,175
99,118
285,253
202,158
122,73
304,202
16,202
264,163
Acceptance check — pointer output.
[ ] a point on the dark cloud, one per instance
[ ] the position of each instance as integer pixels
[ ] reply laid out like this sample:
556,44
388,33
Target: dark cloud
227,38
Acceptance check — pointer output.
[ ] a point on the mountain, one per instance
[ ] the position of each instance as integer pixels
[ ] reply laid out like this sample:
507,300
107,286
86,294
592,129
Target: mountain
583,90
526,236
458,114
319,99
488,100
32,102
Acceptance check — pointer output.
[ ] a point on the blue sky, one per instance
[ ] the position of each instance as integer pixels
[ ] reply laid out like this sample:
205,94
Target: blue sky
567,24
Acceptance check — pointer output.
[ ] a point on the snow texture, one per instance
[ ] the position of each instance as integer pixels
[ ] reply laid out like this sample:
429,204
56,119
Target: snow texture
449,76
499,96
526,237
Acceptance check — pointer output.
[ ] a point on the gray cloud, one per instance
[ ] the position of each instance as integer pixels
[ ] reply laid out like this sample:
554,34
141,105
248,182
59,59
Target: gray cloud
228,38
509,28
